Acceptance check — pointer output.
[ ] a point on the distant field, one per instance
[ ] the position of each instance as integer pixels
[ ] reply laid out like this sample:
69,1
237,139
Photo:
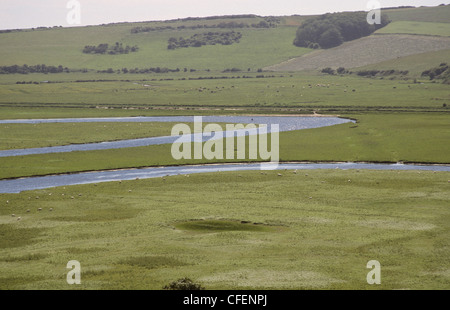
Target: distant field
364,51
296,92
420,28
439,14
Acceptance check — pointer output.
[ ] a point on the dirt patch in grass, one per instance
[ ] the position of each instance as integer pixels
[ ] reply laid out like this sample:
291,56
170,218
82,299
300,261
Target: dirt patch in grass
365,51
211,226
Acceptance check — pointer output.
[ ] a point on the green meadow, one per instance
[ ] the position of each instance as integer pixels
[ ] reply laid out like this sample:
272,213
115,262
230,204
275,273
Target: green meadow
242,230
419,28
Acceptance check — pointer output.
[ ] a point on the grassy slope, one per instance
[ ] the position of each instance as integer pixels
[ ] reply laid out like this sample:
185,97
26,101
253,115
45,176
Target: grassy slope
438,14
326,230
415,64
63,46
419,28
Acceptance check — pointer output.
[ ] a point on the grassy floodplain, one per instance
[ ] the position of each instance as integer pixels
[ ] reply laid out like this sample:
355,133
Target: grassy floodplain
137,234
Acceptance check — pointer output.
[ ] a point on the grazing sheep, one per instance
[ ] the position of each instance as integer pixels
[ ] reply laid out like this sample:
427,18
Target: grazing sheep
51,209
28,211
280,175
295,171
19,218
39,209
13,215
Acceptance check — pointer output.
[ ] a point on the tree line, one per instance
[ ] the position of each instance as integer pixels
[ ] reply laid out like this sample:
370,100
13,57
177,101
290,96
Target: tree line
222,25
441,72
331,30
105,48
365,73
25,69
208,38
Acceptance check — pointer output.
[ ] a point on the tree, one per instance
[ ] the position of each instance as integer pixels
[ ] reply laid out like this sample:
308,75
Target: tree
330,38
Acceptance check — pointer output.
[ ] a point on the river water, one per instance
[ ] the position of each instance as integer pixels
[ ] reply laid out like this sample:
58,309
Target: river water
286,123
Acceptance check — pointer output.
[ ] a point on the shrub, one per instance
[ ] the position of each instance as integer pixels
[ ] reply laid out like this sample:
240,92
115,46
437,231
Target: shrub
328,70
183,284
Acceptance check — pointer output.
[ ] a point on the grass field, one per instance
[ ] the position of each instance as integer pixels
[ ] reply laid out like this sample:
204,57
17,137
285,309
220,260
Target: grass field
438,14
20,136
419,28
298,92
320,236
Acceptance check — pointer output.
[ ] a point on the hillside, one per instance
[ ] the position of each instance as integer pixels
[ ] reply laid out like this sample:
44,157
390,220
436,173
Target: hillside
438,14
413,31
263,42
365,51
258,47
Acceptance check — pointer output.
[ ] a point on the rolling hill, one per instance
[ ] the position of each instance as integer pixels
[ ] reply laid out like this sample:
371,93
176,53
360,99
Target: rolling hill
265,42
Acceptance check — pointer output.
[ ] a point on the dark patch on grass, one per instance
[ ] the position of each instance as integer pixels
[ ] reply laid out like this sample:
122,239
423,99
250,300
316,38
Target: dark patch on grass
12,237
223,225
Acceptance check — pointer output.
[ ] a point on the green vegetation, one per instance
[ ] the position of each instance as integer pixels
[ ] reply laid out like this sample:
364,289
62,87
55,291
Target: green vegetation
415,64
225,92
25,69
331,30
334,222
105,48
63,46
209,38
417,28
442,72
184,284
437,14
19,136
313,229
